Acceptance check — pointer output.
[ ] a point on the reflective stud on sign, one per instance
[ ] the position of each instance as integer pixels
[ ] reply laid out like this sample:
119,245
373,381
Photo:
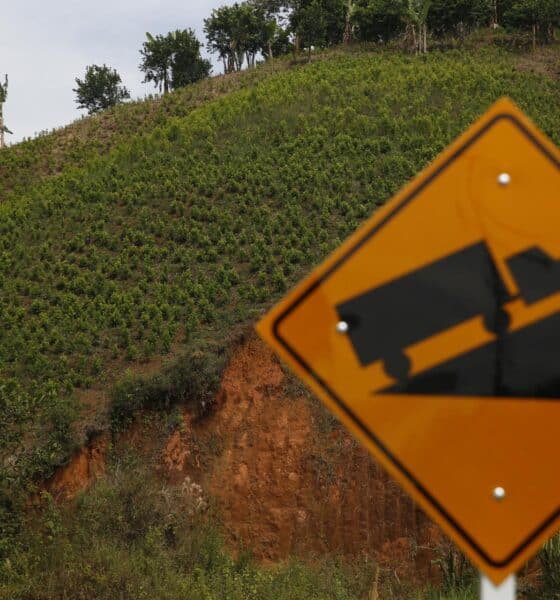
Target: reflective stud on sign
342,327
504,179
499,493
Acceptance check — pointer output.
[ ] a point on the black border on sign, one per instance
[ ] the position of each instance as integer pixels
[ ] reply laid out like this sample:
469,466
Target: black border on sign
370,434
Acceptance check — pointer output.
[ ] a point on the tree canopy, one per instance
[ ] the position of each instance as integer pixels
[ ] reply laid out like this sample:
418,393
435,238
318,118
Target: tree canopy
3,96
173,61
4,90
459,16
378,20
538,16
318,23
100,89
238,33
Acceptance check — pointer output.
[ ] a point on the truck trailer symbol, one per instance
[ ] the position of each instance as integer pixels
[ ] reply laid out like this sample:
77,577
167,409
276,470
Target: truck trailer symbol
386,320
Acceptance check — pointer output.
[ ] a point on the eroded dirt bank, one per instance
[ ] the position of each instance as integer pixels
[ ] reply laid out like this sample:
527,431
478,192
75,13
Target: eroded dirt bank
83,468
287,479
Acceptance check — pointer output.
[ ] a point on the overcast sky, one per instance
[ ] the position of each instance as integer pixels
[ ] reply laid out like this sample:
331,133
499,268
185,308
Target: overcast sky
46,44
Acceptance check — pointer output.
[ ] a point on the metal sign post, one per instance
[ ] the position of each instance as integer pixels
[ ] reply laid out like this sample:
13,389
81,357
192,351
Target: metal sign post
506,591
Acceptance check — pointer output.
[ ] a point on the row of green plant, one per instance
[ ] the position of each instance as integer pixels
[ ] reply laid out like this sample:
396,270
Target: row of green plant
28,162
181,234
23,165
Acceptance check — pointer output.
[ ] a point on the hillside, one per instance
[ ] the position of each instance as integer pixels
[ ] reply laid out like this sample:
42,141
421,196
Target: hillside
137,245
73,146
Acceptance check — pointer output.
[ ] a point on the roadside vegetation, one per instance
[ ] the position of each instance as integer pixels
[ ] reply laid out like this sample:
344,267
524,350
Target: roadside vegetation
134,536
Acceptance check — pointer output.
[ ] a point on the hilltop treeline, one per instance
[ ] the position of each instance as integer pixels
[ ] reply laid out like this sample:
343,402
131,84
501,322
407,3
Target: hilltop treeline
245,32
240,32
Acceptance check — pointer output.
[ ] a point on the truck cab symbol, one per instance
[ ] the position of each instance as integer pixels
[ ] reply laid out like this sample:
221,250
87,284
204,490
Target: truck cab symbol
440,295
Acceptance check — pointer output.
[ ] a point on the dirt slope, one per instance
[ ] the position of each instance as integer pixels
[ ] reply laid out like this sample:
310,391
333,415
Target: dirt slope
286,478
289,480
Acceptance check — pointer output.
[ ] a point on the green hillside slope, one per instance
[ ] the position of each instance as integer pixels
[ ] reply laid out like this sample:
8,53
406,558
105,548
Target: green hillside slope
73,146
174,237
158,229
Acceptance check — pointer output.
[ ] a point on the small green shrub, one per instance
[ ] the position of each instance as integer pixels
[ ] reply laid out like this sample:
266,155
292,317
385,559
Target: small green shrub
191,380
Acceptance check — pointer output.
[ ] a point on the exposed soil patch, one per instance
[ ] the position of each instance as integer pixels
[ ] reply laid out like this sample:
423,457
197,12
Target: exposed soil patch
84,467
289,480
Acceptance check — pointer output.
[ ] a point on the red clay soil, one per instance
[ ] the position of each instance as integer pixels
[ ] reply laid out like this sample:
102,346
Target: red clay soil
85,466
290,481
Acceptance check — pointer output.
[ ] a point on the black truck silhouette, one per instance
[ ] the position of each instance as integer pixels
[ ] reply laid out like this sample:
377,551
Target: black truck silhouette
383,322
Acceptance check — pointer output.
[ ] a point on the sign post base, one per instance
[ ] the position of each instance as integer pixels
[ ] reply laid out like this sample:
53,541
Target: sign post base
506,591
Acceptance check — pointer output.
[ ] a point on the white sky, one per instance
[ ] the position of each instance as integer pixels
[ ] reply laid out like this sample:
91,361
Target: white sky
46,44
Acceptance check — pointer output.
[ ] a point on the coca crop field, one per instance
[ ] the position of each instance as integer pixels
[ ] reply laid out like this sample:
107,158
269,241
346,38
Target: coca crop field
138,246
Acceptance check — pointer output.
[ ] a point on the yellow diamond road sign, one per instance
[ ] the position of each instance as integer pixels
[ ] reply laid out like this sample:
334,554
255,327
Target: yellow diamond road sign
433,333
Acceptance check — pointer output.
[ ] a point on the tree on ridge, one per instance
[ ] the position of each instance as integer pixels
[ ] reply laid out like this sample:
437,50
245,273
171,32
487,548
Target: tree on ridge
100,89
3,96
174,60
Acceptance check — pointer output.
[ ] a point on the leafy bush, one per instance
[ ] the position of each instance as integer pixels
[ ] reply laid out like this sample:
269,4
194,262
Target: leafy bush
192,379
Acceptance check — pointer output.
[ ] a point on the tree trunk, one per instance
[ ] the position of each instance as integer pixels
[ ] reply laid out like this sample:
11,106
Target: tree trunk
270,55
348,29
425,48
3,96
534,36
